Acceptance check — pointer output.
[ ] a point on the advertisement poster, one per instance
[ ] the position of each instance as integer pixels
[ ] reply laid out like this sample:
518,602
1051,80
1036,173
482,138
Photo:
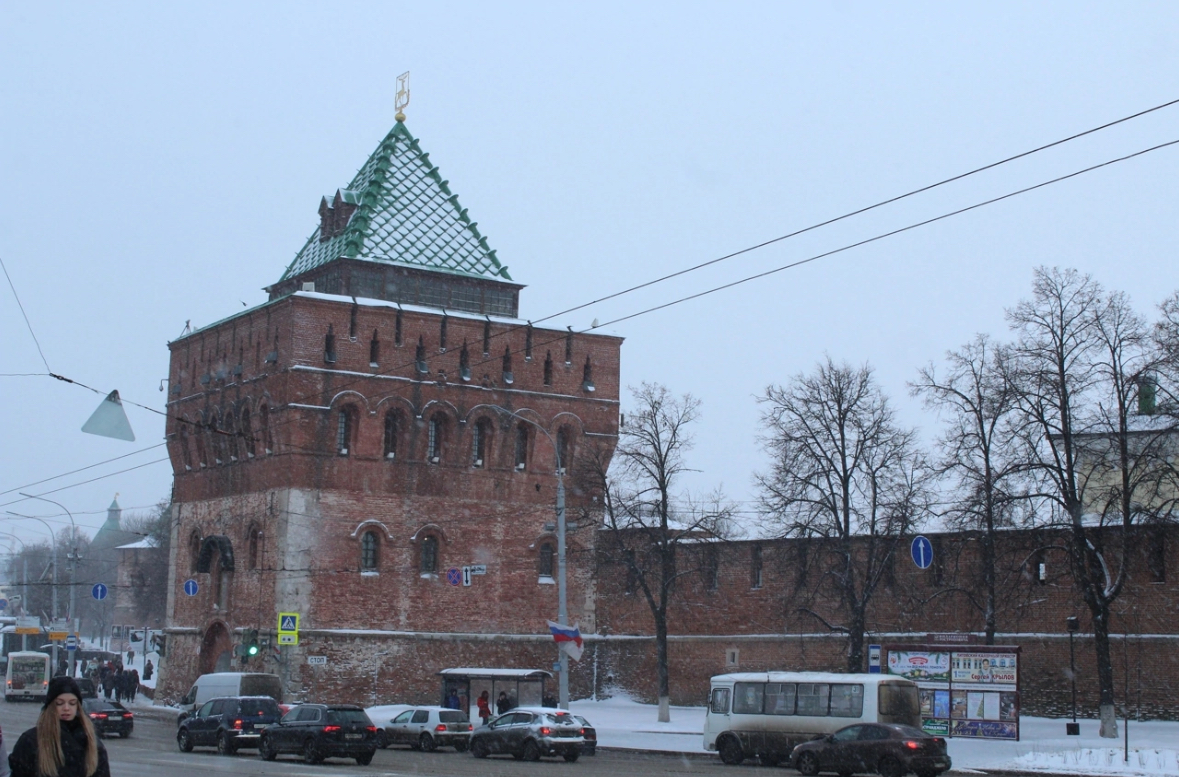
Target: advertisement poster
920,666
984,668
984,729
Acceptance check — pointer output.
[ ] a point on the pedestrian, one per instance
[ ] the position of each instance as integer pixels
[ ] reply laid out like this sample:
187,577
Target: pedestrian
452,701
484,707
133,683
108,684
147,670
63,743
4,772
502,704
119,684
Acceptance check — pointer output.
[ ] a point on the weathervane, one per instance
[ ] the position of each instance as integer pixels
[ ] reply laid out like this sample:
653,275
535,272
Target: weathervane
402,98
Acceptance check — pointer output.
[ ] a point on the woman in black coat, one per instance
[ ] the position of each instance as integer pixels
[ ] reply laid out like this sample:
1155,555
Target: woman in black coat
63,743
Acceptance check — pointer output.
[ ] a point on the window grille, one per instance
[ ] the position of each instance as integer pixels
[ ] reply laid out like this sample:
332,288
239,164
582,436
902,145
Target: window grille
343,431
368,551
546,559
390,441
429,560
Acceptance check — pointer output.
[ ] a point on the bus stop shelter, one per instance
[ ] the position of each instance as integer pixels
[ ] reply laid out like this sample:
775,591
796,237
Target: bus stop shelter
523,687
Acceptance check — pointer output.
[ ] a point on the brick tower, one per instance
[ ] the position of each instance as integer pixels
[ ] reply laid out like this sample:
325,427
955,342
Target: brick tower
384,418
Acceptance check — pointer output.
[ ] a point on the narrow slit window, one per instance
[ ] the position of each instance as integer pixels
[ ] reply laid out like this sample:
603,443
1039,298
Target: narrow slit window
374,350
487,338
397,339
329,346
548,368
390,441
521,446
368,551
434,444
343,431
546,559
429,557
755,571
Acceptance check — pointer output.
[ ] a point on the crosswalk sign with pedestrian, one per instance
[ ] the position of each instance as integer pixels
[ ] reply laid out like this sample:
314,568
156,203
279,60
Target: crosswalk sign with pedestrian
288,621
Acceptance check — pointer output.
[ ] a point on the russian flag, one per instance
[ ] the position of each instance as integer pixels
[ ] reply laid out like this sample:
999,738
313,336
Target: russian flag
569,638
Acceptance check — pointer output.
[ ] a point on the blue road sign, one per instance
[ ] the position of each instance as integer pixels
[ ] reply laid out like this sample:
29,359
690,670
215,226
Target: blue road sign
454,576
71,642
191,587
922,552
3,604
99,591
288,624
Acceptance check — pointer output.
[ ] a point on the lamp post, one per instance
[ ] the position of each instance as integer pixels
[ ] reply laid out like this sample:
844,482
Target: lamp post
73,558
562,593
1073,729
53,539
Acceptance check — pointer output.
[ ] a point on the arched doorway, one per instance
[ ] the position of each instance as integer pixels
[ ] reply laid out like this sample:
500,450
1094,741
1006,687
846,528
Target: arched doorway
216,649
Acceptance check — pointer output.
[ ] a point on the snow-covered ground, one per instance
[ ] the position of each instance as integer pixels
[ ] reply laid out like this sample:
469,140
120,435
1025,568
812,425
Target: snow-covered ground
1043,746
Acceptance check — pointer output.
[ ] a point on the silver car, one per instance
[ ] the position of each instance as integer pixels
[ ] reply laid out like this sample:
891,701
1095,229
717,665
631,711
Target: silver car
428,728
528,733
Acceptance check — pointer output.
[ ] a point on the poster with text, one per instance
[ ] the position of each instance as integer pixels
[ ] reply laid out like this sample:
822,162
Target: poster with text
985,668
920,665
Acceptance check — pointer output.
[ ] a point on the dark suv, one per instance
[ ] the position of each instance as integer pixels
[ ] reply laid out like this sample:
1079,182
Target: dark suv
319,731
228,723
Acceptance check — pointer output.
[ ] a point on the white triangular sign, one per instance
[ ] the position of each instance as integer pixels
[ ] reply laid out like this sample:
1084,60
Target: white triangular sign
110,420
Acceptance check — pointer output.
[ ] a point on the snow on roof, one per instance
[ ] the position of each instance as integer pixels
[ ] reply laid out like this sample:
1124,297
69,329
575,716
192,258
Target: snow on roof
520,674
146,542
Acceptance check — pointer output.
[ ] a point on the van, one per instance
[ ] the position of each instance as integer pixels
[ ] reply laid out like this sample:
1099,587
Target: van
211,686
27,676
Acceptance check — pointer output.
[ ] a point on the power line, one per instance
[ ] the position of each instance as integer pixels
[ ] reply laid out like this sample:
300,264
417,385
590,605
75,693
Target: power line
82,469
28,324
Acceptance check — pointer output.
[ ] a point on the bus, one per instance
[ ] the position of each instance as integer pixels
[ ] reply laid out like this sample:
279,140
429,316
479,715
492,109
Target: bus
27,676
765,714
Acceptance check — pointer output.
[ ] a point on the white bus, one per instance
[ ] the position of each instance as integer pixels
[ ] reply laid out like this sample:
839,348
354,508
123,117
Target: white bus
27,676
767,713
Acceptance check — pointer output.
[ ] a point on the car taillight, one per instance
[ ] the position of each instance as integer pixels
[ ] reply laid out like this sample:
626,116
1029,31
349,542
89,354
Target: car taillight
98,716
373,729
237,724
912,745
470,727
545,731
330,729
128,714
440,727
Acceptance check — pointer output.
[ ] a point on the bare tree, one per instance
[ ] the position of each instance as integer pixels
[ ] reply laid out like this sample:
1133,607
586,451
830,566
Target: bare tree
647,517
842,469
149,575
1080,356
978,405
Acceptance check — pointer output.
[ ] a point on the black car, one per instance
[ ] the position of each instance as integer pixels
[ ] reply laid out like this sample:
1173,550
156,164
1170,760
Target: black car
527,734
589,734
888,749
227,723
109,717
319,731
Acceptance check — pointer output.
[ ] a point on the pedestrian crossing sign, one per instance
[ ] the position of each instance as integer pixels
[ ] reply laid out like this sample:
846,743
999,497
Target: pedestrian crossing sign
288,622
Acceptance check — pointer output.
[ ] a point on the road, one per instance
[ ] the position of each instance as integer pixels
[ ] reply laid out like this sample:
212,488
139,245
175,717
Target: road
151,752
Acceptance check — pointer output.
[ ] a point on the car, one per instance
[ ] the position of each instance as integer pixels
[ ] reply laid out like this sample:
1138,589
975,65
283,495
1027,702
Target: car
319,731
888,749
529,733
109,717
590,734
228,723
428,728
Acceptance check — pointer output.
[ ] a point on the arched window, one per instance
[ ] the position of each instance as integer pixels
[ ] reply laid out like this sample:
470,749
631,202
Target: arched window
194,551
480,440
182,441
247,430
231,436
521,446
545,559
264,428
392,424
345,430
369,545
254,540
429,558
437,438
564,450
201,434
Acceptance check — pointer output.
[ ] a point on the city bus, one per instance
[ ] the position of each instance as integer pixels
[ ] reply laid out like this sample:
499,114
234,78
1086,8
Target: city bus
27,676
766,714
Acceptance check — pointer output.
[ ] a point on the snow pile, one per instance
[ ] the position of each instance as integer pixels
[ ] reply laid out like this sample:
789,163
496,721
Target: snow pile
1088,760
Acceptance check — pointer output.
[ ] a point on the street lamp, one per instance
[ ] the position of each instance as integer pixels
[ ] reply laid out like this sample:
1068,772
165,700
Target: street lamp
1073,729
562,594
73,557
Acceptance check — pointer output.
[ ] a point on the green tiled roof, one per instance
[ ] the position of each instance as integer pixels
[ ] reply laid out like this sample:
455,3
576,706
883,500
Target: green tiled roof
406,214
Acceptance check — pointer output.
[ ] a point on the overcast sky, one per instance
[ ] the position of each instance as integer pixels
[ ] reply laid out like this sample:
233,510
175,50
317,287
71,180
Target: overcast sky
162,162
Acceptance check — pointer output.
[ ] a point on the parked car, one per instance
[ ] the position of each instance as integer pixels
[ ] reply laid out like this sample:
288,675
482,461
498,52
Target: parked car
228,723
889,749
222,684
529,733
428,728
320,731
590,734
109,717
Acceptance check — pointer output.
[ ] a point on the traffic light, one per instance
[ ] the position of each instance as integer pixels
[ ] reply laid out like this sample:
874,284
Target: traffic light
249,646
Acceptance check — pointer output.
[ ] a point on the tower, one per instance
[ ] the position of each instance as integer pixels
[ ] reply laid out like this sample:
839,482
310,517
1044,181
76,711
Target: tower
384,418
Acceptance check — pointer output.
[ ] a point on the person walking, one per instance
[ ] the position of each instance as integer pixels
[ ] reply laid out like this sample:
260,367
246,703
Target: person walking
63,743
147,670
133,684
484,707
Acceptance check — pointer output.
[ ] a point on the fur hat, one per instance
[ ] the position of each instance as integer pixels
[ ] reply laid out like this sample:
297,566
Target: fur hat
60,685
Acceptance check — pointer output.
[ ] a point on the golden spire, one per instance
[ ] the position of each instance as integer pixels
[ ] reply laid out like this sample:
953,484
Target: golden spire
402,98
